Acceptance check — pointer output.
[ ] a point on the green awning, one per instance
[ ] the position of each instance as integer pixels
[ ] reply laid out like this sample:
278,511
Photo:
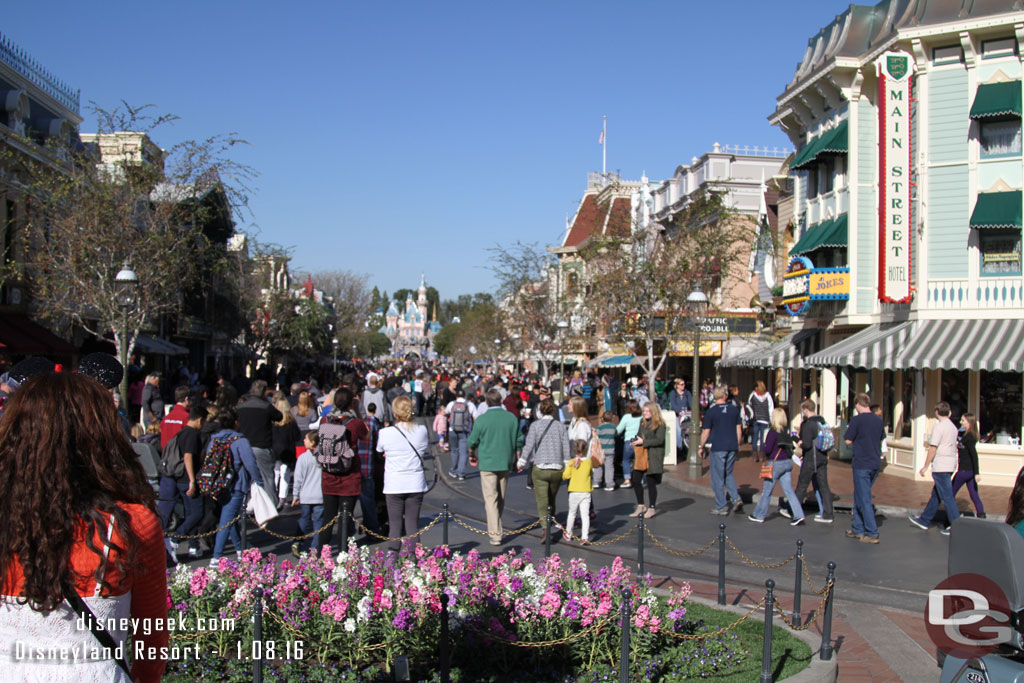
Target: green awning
811,239
830,233
836,236
835,141
997,210
997,100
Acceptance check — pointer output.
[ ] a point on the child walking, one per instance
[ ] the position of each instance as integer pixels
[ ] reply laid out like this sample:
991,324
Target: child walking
606,434
441,427
579,471
308,494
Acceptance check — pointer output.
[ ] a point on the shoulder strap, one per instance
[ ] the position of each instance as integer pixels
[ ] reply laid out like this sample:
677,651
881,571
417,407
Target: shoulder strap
414,449
85,614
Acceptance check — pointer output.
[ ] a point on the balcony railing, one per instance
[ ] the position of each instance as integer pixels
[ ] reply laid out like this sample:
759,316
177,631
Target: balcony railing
16,58
992,292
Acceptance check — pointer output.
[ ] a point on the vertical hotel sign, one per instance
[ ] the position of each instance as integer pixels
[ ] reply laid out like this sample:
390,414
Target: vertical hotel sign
895,88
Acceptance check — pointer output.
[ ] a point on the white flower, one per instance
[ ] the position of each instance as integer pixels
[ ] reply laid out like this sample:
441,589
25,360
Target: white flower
364,608
241,595
350,625
340,572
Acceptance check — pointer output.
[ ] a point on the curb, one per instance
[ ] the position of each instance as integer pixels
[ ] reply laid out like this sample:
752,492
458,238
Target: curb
818,671
705,491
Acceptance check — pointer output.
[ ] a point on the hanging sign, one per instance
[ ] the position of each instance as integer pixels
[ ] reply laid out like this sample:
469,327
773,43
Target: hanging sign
796,286
829,284
895,89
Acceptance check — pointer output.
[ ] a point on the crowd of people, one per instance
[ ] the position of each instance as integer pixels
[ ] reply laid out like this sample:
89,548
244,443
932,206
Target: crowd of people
86,531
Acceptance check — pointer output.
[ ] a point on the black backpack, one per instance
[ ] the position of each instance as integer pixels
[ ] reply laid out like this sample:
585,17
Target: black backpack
172,464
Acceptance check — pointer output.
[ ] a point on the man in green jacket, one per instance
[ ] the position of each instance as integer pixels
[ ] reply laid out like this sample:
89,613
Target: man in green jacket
494,444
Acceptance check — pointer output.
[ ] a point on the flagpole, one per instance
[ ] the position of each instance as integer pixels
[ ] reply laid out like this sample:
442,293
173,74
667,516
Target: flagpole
604,146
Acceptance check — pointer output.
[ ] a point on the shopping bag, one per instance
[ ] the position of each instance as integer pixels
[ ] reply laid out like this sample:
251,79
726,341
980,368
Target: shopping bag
260,505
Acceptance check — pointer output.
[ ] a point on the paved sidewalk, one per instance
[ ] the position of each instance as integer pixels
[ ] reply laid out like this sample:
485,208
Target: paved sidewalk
892,493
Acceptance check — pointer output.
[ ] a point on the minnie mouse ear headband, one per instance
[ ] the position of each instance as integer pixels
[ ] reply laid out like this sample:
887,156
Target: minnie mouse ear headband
25,369
103,368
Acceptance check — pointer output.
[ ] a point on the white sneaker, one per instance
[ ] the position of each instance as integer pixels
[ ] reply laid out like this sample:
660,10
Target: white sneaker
785,513
752,518
796,522
824,520
609,488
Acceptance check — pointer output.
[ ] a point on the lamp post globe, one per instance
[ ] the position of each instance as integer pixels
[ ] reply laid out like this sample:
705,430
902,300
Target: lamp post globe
126,284
562,327
696,304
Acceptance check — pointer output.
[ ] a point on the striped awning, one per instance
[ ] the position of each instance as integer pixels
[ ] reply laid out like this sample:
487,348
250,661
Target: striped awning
787,353
619,362
876,347
966,345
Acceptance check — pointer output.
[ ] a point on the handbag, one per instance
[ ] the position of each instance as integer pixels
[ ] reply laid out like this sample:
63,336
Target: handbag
596,451
640,460
766,469
260,505
92,623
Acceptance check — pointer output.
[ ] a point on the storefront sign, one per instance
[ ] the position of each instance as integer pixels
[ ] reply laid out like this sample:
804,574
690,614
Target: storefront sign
796,286
682,347
895,89
829,284
729,324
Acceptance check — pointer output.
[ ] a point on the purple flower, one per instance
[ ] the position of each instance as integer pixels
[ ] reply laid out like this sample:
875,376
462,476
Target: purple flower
403,620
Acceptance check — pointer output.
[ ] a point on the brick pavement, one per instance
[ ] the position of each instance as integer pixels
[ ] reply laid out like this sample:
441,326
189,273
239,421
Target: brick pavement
858,655
889,489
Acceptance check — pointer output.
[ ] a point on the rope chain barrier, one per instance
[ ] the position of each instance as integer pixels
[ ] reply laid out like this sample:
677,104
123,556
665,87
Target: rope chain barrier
817,611
712,634
311,534
750,562
579,540
594,628
678,553
416,534
191,537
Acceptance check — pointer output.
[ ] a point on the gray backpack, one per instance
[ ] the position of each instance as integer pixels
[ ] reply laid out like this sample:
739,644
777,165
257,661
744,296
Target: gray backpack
333,453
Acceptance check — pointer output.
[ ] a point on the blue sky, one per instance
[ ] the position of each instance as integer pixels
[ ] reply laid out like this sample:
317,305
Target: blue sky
394,138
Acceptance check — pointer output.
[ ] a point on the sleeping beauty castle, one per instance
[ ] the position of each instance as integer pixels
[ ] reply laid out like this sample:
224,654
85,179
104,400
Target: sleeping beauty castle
410,332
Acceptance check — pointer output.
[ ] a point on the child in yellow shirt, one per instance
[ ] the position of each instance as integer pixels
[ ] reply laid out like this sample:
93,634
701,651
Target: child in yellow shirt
578,471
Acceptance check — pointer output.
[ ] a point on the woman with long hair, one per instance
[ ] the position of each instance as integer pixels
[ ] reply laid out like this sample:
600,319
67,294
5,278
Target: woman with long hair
1015,513
967,467
304,413
650,435
79,526
285,436
404,446
762,407
779,449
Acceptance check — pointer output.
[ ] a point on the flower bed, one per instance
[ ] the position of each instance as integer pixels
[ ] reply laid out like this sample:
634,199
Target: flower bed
349,618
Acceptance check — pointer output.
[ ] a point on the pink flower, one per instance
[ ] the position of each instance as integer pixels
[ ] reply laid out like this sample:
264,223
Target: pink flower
198,582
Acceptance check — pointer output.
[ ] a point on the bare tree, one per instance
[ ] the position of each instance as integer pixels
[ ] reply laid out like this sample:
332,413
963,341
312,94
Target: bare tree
352,300
529,299
118,200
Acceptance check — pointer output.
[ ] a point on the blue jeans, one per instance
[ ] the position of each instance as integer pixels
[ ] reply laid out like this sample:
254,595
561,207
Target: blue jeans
722,480
306,524
170,491
627,460
942,491
368,503
759,432
227,513
863,511
782,472
458,444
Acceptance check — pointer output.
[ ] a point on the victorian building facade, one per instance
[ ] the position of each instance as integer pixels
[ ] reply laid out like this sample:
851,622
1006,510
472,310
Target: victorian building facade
904,279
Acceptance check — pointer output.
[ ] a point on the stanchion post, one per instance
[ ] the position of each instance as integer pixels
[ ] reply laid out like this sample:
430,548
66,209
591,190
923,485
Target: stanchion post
257,636
344,526
766,648
799,580
245,522
547,531
624,652
444,540
826,629
445,656
721,564
640,545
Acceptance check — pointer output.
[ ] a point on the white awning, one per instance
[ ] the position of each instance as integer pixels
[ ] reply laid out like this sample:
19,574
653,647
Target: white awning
875,347
966,345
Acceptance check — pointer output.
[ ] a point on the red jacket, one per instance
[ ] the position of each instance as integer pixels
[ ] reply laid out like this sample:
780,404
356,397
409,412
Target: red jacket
350,484
172,424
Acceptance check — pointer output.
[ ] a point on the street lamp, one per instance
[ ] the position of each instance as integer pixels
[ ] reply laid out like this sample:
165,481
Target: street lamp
497,354
562,327
696,305
515,353
126,284
355,350
334,345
